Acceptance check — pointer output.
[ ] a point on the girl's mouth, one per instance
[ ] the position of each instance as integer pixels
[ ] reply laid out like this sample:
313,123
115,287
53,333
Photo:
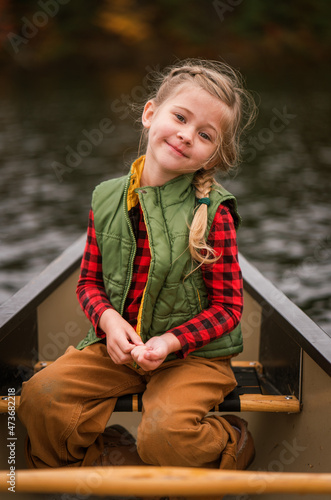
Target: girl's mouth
177,150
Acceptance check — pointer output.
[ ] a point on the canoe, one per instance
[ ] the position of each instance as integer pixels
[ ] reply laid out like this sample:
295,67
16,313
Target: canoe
287,403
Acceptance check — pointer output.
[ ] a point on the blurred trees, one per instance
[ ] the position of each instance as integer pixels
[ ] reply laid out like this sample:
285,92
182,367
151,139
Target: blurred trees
250,32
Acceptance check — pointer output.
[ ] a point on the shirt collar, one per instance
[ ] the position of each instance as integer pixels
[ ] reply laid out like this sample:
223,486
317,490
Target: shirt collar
176,189
135,176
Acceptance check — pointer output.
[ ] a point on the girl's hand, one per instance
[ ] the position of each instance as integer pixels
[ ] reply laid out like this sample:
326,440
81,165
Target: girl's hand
151,355
121,337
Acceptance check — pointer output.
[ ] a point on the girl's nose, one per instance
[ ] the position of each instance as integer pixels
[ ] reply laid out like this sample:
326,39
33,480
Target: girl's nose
185,135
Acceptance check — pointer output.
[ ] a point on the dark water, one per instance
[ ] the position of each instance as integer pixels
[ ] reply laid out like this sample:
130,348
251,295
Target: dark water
282,186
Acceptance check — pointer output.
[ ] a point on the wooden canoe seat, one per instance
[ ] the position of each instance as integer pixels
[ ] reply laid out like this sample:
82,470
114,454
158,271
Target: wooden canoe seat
253,393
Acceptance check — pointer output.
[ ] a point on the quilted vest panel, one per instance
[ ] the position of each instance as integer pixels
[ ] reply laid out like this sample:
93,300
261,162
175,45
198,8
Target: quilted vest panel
172,295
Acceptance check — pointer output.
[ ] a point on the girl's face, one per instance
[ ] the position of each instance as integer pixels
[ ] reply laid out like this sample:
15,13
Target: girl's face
183,134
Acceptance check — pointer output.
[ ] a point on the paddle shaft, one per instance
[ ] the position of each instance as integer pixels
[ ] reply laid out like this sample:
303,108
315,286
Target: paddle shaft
163,481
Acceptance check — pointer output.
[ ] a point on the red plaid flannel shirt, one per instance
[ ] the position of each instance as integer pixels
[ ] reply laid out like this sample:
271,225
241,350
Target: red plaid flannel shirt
223,282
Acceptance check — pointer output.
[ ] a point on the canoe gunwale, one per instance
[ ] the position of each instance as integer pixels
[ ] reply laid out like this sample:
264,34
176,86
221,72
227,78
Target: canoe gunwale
20,305
297,325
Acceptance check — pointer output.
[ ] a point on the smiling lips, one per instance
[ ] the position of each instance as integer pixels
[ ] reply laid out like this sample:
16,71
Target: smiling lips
177,150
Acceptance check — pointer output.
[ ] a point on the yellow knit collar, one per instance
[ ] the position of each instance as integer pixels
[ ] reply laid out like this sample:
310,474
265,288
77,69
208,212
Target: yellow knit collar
135,173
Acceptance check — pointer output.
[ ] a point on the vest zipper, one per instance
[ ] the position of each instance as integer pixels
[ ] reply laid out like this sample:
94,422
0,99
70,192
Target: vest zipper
128,281
141,309
126,291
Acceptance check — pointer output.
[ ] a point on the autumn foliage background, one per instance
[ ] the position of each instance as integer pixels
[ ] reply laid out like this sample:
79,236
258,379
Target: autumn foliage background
249,34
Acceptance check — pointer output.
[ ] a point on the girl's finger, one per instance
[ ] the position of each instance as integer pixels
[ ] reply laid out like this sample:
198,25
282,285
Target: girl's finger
134,337
152,355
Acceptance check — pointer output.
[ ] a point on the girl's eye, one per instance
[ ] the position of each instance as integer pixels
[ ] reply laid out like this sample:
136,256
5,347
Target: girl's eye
205,136
180,117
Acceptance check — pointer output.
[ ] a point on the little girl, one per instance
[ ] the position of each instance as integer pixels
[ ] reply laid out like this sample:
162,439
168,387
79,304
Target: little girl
161,285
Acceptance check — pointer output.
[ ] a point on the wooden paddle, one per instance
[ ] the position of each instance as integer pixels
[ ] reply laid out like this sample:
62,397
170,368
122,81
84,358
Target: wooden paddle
162,481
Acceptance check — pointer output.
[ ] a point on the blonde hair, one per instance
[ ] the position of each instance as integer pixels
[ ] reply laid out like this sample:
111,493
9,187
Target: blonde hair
224,83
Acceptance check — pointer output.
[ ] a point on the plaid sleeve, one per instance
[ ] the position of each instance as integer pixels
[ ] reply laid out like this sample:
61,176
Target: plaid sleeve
224,285
90,288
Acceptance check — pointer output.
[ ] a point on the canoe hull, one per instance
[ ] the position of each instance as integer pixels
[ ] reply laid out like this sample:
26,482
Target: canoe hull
43,319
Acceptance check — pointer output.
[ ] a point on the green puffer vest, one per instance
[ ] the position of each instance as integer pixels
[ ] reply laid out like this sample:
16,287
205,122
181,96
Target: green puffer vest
168,299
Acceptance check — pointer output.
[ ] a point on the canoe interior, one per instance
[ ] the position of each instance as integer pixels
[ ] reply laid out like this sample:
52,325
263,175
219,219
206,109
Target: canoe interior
44,318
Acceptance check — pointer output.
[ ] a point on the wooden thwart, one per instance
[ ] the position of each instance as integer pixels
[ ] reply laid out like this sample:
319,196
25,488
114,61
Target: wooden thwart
161,481
266,403
247,396
247,402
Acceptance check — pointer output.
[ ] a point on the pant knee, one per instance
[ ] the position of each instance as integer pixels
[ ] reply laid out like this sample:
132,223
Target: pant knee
181,442
38,396
150,443
158,443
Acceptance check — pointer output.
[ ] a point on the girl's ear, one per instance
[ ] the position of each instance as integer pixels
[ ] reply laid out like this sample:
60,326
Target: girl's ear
148,114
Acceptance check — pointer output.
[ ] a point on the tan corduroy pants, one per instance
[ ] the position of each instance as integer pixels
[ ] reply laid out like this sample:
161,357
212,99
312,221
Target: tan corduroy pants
66,407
